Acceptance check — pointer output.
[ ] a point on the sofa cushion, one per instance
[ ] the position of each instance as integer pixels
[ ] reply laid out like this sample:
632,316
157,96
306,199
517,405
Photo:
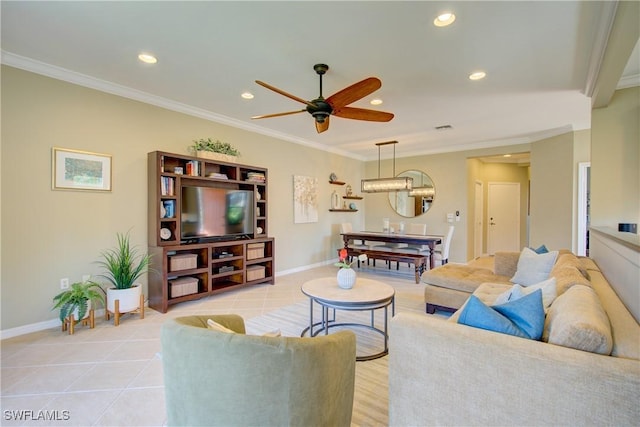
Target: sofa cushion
506,263
570,260
523,317
534,268
568,276
461,277
577,320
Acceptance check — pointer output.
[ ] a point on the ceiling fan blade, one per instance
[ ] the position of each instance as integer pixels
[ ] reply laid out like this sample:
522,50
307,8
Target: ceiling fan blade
281,92
354,92
266,116
321,127
363,114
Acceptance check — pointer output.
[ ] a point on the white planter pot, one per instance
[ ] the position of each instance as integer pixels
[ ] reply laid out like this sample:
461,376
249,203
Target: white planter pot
129,298
346,278
75,312
216,156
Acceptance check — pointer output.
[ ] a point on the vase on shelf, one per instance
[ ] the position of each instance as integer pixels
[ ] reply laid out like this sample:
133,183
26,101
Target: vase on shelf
346,278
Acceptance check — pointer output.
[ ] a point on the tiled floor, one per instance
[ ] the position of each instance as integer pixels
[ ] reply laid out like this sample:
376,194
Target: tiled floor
112,376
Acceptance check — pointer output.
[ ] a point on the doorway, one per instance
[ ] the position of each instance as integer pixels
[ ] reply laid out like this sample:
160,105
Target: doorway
584,180
478,219
503,210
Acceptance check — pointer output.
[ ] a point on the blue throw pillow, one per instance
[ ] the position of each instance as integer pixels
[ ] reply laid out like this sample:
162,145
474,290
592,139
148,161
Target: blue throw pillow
542,249
523,317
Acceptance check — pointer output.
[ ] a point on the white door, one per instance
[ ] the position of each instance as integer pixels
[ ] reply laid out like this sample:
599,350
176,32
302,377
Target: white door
503,210
478,221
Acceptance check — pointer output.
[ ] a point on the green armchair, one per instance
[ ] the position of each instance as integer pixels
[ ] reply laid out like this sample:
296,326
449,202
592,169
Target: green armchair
222,379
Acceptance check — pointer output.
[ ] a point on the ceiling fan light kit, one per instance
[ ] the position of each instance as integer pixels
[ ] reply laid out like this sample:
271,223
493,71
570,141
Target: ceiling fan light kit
386,185
337,104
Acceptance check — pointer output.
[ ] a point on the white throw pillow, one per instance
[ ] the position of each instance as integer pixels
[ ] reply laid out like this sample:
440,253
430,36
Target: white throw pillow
212,324
511,294
533,268
548,288
549,291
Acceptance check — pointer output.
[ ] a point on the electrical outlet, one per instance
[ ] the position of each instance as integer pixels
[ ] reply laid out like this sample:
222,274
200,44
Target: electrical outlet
64,283
86,278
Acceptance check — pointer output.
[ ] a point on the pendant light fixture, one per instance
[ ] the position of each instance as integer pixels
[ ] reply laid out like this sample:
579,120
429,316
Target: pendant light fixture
385,185
424,191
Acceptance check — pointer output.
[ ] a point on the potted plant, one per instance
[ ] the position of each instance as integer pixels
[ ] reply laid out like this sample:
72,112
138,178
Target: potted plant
78,301
346,275
123,266
215,150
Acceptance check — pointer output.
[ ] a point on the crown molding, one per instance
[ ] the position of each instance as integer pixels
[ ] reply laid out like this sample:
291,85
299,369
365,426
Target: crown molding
629,81
605,23
63,74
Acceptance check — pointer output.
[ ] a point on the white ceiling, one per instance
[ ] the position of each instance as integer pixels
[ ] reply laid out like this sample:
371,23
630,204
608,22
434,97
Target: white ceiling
539,57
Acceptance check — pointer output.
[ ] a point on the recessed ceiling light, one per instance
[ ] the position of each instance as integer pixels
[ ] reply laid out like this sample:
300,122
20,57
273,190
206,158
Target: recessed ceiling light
147,58
444,19
506,155
247,95
477,75
376,101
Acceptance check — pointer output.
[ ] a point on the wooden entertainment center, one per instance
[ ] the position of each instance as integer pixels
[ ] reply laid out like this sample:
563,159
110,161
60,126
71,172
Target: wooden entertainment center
184,269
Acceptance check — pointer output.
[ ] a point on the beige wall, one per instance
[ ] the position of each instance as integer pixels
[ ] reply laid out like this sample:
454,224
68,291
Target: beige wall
615,191
48,235
453,183
552,174
615,160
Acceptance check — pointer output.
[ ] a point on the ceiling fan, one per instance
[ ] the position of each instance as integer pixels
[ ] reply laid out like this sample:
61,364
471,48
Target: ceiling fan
337,104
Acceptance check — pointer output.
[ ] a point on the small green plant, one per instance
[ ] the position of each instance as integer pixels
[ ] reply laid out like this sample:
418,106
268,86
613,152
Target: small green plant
214,146
124,265
77,297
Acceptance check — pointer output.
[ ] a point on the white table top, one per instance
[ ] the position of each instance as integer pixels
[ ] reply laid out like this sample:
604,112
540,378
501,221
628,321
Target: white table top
364,291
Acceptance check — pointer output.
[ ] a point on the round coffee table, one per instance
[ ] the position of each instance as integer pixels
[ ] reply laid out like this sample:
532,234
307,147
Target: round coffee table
366,295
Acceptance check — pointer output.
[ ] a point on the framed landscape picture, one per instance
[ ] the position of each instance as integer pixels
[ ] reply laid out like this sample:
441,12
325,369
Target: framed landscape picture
80,170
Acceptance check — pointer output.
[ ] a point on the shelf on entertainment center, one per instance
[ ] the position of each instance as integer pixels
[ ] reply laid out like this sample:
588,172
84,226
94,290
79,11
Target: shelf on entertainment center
187,269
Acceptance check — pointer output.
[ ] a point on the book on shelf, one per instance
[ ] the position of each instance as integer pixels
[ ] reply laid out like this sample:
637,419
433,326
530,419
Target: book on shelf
169,208
256,177
193,168
167,186
218,175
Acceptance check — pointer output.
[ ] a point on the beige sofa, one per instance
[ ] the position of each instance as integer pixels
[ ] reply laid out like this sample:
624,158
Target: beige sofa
449,286
445,373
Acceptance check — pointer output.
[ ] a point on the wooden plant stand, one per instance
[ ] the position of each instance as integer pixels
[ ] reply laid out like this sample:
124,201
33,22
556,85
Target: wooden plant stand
69,323
116,313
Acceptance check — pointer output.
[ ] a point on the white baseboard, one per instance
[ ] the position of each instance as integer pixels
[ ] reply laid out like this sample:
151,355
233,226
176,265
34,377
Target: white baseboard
55,323
304,268
36,327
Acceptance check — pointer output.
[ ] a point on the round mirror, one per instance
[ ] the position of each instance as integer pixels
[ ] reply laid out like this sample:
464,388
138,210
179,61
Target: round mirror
417,201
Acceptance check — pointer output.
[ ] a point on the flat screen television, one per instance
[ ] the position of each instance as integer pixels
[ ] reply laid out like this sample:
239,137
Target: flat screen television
210,213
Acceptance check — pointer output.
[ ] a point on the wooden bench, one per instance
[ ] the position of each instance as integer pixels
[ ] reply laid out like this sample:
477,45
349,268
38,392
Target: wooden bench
419,261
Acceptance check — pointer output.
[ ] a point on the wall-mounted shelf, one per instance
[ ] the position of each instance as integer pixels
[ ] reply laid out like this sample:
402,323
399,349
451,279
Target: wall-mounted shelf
343,210
352,197
336,182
